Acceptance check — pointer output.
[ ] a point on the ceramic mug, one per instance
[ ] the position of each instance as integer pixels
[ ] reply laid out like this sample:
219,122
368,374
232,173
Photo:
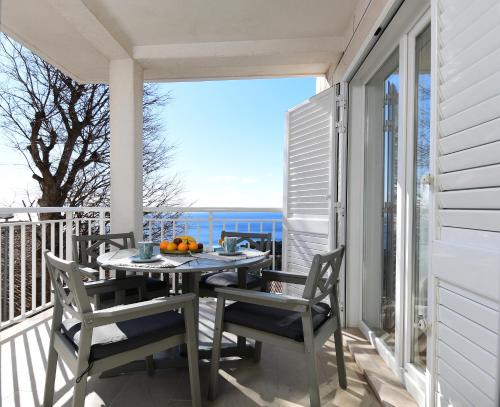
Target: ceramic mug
145,250
230,244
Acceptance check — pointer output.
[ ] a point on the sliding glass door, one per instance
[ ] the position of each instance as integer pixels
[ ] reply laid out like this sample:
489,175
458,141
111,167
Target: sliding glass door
381,170
391,98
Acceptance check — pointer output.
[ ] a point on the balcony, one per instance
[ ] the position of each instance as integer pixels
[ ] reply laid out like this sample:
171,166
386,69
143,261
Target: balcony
27,311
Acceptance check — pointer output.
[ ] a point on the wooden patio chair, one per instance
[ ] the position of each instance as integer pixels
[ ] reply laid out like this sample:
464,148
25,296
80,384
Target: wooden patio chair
298,324
87,248
90,342
245,278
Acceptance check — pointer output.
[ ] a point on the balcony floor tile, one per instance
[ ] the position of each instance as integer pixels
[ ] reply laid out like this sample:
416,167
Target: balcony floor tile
278,380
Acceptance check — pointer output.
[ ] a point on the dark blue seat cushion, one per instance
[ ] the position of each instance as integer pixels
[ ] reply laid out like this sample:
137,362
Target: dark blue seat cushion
111,339
228,279
274,320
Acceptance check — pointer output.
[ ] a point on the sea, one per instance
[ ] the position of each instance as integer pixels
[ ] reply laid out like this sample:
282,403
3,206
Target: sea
196,224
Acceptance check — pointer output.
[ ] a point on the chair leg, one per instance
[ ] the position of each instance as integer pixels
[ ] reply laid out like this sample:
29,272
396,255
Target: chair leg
216,350
257,351
311,360
339,353
79,392
82,368
48,394
192,351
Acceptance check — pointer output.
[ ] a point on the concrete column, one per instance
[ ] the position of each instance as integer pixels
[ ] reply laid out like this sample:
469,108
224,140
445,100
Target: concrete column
126,84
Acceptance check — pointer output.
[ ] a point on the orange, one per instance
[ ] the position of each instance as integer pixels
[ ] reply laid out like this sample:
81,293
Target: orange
164,245
171,246
183,247
193,246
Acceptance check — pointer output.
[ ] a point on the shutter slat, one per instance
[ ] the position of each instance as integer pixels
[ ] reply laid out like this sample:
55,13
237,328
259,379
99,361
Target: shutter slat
473,116
488,88
480,156
471,219
476,72
475,136
489,44
487,198
483,177
470,34
473,11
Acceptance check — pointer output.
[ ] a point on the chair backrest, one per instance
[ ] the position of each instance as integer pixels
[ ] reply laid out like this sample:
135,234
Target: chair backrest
259,241
68,285
86,249
324,275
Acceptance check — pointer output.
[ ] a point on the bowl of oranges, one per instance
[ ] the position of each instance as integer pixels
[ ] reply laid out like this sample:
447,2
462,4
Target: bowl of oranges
181,245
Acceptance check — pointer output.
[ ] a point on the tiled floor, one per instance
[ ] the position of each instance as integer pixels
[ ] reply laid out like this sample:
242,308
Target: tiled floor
278,380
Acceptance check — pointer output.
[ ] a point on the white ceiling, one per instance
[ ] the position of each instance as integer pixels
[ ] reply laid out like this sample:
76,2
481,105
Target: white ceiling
184,39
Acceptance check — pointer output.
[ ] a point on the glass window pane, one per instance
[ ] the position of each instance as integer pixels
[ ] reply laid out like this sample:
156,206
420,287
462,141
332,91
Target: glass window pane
380,206
421,198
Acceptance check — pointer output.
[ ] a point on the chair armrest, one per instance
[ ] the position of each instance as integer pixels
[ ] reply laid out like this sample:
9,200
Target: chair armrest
89,272
292,278
262,298
137,310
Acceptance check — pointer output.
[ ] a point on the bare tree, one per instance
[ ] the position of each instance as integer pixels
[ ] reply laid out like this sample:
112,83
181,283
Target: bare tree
62,129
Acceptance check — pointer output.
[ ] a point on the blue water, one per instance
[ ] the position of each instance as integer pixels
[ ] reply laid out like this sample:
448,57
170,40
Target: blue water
196,224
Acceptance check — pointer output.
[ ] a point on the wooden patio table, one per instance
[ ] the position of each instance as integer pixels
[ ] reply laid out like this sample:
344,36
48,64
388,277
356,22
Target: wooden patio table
191,268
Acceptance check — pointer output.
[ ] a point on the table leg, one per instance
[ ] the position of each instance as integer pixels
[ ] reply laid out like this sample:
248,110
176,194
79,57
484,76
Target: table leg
191,284
120,294
242,283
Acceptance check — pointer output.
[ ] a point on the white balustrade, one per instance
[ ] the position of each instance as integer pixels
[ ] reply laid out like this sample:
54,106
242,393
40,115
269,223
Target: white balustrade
24,282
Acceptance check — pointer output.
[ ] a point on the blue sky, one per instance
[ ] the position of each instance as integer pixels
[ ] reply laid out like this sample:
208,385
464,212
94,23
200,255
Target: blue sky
229,137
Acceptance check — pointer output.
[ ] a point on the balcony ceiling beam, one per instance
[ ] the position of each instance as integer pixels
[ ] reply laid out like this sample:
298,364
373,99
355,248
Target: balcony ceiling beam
87,24
279,47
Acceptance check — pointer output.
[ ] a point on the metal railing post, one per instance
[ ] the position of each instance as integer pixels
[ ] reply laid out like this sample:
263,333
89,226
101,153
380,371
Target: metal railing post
210,229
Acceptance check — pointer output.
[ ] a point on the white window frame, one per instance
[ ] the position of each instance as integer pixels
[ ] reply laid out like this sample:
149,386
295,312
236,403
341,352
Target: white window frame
410,21
415,379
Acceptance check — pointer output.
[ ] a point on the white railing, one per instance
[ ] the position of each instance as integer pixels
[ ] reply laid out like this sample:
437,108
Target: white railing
24,281
206,224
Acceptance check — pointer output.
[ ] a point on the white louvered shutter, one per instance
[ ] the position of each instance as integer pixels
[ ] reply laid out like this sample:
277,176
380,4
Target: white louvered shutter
309,180
466,248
